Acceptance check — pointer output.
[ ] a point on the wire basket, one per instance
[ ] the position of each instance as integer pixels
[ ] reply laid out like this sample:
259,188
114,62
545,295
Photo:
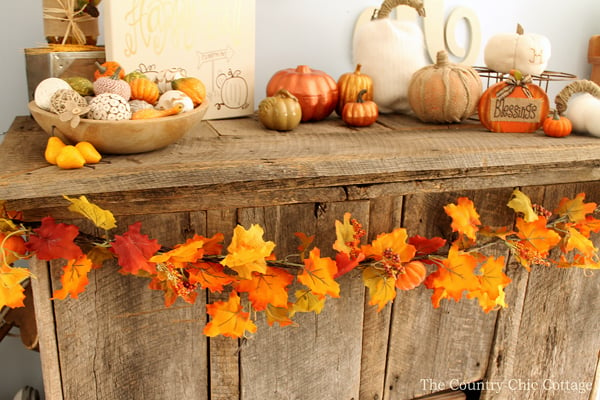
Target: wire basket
491,77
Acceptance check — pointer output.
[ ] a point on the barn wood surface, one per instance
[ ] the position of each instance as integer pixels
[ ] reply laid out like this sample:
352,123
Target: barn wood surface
119,341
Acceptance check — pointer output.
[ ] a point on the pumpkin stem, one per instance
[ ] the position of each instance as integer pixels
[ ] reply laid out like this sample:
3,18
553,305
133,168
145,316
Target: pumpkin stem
357,70
116,74
101,67
284,93
303,69
359,97
520,30
441,59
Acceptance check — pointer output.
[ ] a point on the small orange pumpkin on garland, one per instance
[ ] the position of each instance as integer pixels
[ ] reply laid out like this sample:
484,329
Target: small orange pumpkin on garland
514,105
360,112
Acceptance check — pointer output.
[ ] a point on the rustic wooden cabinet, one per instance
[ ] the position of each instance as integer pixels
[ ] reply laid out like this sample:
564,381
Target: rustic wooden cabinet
118,341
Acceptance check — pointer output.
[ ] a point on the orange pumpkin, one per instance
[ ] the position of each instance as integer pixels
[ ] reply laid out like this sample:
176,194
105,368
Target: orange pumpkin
144,89
412,275
316,91
360,112
556,125
109,69
514,105
349,85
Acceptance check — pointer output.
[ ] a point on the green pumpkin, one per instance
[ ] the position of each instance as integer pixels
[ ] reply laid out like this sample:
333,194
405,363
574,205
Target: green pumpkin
81,85
134,75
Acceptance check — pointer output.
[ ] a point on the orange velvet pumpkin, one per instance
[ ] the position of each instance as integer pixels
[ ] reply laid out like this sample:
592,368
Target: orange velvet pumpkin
316,91
514,105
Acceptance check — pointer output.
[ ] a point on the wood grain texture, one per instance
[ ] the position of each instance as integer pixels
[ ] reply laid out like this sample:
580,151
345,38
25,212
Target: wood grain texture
433,349
113,341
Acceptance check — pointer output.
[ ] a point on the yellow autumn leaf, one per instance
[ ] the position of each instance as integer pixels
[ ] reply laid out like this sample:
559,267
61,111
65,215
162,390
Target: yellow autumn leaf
521,203
247,251
382,287
103,219
307,301
11,288
575,240
344,232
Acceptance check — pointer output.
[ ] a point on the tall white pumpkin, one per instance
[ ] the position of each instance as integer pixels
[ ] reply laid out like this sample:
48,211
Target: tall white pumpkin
390,52
526,52
580,102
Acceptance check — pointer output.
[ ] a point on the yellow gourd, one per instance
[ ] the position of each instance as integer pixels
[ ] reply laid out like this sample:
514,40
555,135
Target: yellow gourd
53,148
70,158
193,87
89,152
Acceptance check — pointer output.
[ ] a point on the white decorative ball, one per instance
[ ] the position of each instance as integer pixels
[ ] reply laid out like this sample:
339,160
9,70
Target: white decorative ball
45,89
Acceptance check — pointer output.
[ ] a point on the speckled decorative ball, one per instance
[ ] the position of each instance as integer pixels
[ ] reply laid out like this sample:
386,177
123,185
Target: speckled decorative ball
109,106
45,89
137,105
62,98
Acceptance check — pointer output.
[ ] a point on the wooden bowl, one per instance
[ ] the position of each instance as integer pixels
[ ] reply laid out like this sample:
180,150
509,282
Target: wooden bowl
121,137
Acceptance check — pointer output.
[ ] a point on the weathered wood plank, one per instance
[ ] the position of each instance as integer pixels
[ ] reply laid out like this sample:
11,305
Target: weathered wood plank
46,325
315,158
385,214
551,349
320,356
434,349
223,352
113,341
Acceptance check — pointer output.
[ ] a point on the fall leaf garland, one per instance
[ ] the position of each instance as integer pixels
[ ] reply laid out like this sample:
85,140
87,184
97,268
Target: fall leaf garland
258,281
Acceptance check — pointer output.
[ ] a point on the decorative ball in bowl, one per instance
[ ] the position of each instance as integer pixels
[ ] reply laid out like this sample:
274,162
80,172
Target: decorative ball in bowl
121,137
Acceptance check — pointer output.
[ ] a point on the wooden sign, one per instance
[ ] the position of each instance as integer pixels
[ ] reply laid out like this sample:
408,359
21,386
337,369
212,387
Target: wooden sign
212,41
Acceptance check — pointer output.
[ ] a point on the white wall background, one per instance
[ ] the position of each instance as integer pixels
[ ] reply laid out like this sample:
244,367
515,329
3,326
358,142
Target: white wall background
288,33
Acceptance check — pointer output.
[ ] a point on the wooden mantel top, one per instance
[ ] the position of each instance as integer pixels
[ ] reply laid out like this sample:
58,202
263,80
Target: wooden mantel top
223,159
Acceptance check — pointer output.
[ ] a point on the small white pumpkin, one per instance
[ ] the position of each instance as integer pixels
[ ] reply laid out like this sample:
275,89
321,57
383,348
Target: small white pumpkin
45,89
390,52
172,97
583,100
166,76
526,52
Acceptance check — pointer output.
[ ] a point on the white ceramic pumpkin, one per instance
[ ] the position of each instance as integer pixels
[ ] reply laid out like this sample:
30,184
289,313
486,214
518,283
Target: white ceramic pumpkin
583,100
390,52
526,52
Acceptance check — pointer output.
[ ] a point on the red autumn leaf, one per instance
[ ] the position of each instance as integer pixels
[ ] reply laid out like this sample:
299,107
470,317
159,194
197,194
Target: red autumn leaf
228,318
345,263
318,275
133,250
52,241
305,241
465,219
74,278
270,288
425,246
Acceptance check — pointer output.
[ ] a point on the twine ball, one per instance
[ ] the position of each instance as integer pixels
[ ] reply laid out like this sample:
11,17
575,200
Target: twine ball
61,99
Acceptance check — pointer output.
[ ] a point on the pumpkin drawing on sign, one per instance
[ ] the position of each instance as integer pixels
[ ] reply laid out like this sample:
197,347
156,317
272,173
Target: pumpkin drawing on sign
233,89
514,105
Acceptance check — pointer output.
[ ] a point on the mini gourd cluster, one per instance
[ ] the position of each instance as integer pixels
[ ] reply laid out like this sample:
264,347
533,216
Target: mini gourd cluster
112,95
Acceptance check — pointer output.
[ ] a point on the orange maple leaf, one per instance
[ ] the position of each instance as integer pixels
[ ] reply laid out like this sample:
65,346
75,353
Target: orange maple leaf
575,209
228,318
210,276
465,219
455,275
576,241
265,289
590,224
537,235
492,283
381,285
391,248
247,251
188,252
11,288
318,274
74,278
